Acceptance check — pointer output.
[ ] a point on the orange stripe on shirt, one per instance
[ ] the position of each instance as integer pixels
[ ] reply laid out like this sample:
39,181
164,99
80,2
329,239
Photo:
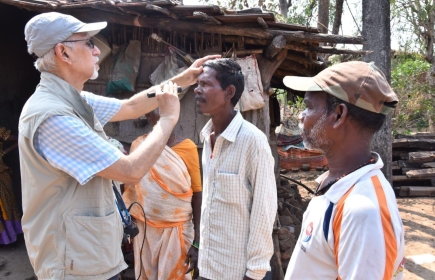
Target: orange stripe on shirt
390,239
336,225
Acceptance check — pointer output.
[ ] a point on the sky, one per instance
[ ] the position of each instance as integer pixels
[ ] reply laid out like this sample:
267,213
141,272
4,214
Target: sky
349,26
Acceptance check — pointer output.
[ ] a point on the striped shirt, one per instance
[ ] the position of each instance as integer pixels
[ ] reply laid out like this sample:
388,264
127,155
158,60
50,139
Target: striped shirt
354,231
71,146
239,203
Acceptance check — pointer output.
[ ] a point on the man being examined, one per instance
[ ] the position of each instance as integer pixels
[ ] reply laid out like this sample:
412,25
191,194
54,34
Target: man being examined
239,192
71,223
352,228
171,195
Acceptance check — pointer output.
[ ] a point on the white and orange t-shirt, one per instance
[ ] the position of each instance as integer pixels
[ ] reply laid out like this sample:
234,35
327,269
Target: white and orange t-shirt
353,231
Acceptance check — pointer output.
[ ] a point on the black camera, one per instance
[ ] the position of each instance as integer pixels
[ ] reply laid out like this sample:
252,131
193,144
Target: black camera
130,232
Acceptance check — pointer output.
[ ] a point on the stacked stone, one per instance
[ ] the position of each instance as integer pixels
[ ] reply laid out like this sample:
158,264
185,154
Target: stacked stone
290,211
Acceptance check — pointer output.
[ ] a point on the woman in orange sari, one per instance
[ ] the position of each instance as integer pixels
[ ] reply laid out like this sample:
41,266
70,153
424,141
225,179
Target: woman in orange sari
171,195
10,225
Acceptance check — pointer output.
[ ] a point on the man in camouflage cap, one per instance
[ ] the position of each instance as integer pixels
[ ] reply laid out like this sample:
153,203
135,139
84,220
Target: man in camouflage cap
352,228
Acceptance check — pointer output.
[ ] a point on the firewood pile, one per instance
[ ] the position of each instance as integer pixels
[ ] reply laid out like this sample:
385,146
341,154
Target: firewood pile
413,165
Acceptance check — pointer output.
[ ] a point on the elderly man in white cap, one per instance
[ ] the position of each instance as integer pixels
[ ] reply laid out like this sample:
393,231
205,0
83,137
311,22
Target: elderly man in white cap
71,223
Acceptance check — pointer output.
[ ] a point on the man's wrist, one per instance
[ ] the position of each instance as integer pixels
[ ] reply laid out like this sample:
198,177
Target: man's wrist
195,244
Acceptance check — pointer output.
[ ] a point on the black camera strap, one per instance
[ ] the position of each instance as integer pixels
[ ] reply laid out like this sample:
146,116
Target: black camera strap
130,228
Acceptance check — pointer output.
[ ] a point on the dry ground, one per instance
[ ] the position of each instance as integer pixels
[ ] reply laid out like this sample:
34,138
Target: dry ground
418,216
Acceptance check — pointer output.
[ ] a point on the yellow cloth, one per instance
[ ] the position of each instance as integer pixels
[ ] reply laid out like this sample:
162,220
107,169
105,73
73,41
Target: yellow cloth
188,152
165,194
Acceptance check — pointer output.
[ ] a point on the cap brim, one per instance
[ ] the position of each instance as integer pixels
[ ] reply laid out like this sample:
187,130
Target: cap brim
92,28
301,83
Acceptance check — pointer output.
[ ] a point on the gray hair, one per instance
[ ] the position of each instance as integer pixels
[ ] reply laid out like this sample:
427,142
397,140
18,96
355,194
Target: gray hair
46,63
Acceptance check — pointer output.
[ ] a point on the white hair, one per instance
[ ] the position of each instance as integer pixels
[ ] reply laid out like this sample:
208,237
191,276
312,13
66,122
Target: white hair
47,63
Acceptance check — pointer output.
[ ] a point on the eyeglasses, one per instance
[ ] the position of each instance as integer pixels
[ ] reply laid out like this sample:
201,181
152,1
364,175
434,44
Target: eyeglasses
90,42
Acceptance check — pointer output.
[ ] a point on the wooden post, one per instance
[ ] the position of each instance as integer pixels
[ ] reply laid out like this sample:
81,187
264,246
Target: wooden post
278,43
376,29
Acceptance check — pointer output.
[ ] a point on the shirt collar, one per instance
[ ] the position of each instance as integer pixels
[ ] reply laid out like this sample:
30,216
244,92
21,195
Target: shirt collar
230,133
341,187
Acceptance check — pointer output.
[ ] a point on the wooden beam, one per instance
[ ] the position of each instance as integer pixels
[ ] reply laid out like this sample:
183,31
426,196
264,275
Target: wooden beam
404,178
292,26
282,72
417,136
245,18
296,67
428,165
165,11
414,143
421,173
189,9
302,36
278,43
407,164
331,50
263,23
303,60
417,191
171,24
422,156
206,17
269,67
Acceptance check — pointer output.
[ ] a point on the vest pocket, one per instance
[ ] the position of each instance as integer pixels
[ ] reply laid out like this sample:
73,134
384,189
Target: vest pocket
93,244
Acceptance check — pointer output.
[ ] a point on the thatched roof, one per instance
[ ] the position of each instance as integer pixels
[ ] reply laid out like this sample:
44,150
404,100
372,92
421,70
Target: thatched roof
250,31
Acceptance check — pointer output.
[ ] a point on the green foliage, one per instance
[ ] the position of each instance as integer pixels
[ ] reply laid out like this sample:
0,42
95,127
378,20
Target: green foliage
302,12
416,108
297,105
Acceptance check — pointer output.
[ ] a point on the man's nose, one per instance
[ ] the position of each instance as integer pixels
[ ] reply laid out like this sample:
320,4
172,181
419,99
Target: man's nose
301,116
96,51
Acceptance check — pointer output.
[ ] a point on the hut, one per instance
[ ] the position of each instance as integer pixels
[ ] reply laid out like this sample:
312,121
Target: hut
279,49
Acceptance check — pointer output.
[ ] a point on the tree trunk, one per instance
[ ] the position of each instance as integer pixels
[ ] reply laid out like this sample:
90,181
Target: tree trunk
323,18
283,6
337,17
430,35
376,29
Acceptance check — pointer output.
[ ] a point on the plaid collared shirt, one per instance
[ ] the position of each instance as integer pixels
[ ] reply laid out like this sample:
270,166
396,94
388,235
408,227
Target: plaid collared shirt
239,203
69,145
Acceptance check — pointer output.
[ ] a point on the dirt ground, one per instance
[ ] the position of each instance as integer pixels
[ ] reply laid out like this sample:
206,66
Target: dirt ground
418,216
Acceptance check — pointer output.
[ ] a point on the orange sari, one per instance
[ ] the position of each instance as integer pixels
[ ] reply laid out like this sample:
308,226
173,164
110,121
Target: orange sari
165,193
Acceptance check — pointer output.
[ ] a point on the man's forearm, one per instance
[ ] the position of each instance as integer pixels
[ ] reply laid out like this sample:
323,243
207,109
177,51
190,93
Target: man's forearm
136,106
196,208
130,169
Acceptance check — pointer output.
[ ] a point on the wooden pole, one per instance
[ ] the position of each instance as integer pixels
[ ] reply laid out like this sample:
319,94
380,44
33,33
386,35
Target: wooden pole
278,43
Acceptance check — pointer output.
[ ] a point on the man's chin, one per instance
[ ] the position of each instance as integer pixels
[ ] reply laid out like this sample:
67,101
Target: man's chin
94,76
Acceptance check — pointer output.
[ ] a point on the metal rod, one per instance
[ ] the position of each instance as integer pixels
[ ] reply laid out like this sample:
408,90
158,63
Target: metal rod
297,182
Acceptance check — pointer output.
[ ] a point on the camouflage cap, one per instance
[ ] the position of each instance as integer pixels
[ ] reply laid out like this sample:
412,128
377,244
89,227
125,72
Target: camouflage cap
359,83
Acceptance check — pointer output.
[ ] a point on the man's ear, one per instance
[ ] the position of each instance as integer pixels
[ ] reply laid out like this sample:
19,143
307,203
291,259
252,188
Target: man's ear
340,115
62,53
230,91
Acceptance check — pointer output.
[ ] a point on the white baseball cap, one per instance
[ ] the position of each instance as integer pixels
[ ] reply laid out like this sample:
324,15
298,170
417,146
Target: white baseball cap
44,31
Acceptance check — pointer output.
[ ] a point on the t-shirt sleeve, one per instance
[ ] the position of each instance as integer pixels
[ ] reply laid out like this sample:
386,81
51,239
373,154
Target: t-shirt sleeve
69,145
359,245
104,107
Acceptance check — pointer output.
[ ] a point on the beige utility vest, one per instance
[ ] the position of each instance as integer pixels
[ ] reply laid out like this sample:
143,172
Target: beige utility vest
71,231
